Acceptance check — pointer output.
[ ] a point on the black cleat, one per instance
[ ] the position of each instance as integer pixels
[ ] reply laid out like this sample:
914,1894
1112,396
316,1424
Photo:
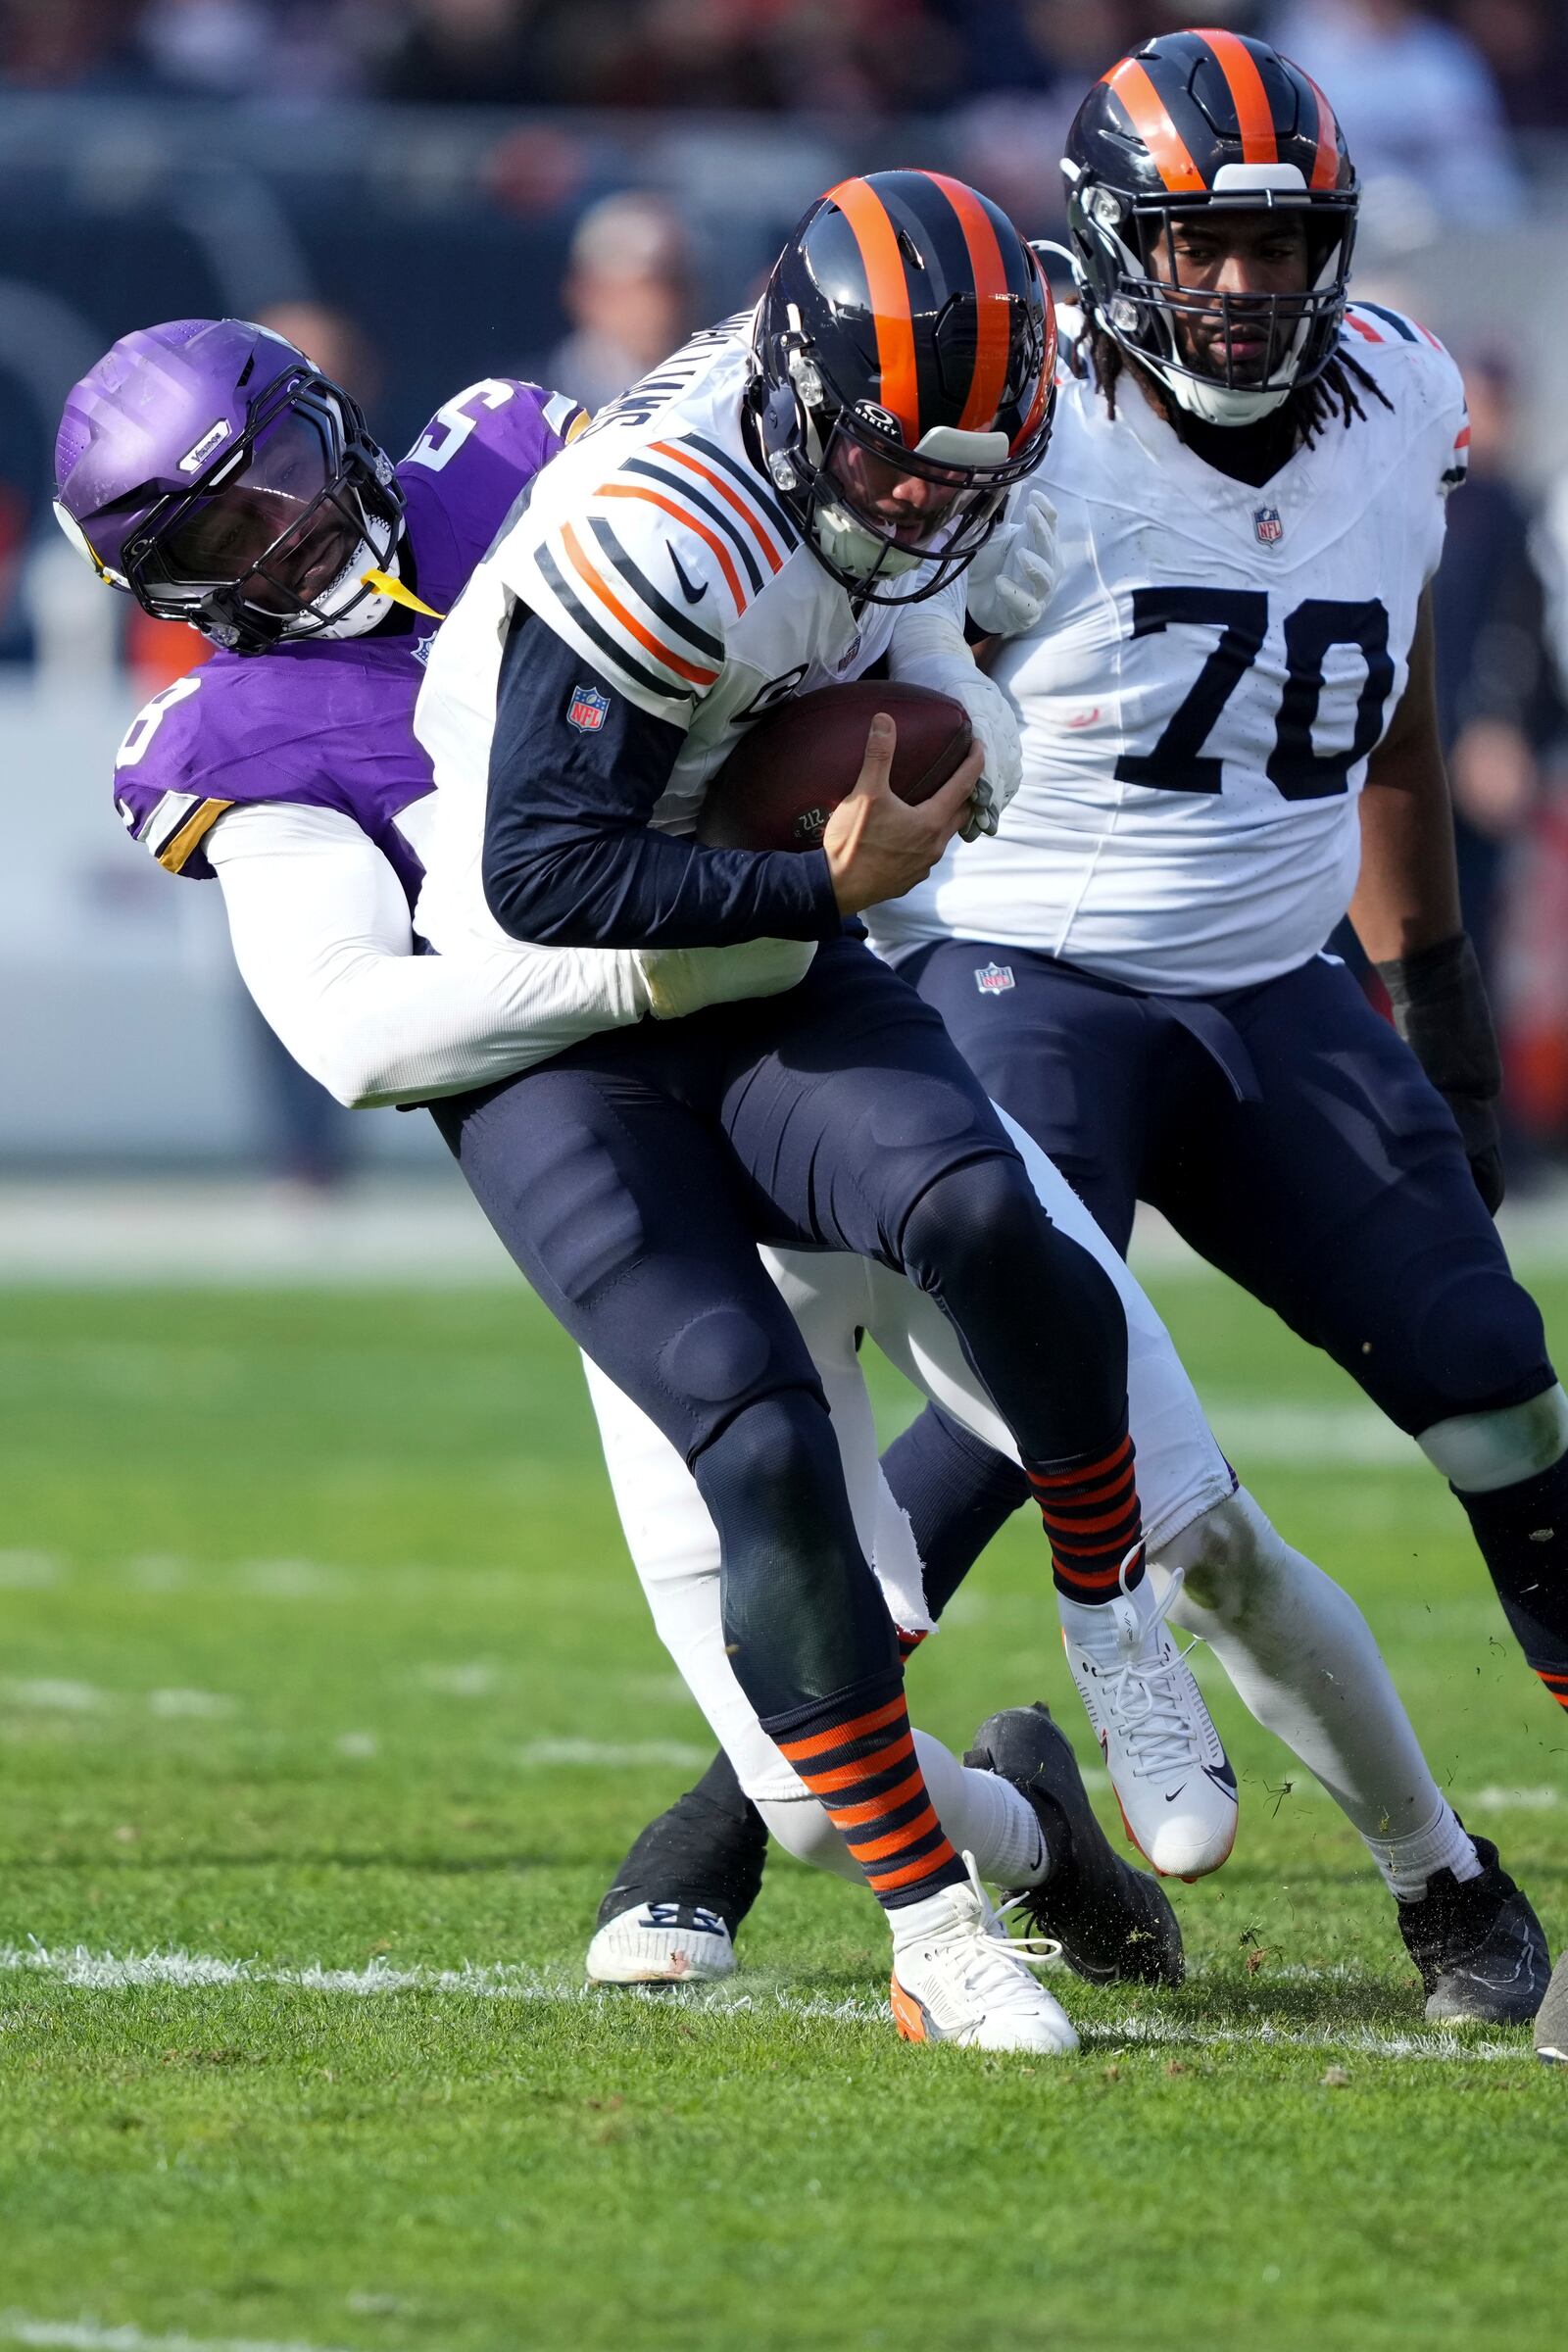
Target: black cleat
674,1905
1113,1923
1551,2019
1480,1948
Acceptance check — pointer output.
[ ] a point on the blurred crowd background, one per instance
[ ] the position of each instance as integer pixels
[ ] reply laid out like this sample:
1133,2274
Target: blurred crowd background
423,192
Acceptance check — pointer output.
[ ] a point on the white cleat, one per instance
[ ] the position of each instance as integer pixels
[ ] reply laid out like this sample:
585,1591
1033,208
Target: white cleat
1168,1767
958,1977
661,1944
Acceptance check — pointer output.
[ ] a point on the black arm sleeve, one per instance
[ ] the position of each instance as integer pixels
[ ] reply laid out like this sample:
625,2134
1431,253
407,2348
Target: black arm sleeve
569,859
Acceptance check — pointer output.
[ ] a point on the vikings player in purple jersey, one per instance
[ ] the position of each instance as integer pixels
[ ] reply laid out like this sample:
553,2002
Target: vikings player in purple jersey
208,468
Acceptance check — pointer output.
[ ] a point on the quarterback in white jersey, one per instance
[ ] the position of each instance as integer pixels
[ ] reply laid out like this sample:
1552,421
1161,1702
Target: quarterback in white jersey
1228,739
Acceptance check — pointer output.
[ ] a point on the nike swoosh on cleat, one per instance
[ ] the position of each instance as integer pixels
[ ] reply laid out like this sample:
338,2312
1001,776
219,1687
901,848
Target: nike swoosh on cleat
1174,1793
693,596
1223,1777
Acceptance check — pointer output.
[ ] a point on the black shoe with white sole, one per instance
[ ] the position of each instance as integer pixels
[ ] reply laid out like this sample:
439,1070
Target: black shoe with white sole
1113,1923
672,1911
1480,1948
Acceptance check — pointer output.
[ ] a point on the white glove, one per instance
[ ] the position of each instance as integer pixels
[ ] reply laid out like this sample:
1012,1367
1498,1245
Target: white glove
927,648
996,729
1008,584
683,980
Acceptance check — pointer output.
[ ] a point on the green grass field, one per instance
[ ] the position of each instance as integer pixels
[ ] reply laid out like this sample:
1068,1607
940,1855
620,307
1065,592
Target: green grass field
327,1703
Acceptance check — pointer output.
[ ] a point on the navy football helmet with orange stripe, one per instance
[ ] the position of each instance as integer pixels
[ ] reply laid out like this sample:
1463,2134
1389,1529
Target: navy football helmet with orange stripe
906,377
1200,121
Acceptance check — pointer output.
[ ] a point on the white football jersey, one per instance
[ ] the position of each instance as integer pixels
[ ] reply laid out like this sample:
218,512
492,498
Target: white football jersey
1199,698
655,548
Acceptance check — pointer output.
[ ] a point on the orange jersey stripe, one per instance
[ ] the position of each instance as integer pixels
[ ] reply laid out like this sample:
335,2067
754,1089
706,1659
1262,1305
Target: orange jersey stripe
990,378
693,522
857,1728
873,232
1147,111
854,1775
597,586
682,456
1326,162
1254,116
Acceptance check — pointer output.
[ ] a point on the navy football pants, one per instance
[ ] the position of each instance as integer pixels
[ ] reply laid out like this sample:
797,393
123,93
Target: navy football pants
632,1180
1289,1136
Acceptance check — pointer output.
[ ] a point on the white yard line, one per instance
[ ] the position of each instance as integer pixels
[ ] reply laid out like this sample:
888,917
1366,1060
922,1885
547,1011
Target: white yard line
107,1972
88,2336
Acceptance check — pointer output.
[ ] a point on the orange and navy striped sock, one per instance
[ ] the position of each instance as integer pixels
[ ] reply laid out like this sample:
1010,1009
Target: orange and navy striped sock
1555,1681
856,1753
1523,1533
1092,1521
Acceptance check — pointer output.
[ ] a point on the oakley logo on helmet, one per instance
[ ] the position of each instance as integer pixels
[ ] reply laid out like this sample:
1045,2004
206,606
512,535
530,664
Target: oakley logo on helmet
881,420
196,457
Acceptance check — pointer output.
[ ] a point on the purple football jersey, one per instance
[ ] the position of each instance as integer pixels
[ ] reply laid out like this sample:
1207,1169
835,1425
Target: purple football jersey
331,725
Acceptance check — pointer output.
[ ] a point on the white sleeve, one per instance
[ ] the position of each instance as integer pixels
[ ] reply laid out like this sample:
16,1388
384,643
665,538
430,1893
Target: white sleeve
323,939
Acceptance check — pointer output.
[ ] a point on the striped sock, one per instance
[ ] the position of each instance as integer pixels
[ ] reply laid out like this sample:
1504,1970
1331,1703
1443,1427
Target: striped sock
856,1753
1523,1533
1555,1681
1092,1521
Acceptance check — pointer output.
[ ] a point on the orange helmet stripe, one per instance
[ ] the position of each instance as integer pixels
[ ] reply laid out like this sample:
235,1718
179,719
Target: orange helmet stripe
1254,116
1150,119
1326,167
873,232
993,317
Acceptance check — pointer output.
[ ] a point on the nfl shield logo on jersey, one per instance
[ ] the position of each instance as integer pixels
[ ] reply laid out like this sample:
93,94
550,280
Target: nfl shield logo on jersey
992,978
1267,524
587,710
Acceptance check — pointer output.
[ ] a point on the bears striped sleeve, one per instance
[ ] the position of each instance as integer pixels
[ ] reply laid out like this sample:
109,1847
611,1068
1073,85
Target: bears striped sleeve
649,569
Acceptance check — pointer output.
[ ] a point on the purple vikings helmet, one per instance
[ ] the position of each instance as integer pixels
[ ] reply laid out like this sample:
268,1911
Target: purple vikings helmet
207,466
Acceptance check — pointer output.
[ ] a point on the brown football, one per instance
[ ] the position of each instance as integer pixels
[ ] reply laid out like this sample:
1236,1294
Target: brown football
783,781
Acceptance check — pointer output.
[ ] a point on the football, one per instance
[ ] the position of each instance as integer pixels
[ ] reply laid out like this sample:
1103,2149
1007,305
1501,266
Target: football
780,785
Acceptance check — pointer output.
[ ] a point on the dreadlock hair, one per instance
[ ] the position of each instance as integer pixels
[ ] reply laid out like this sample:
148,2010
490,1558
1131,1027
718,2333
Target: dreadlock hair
1336,392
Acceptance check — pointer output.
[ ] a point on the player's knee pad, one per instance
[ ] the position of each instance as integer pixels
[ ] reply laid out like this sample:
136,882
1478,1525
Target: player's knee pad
1477,1340
1230,1559
1483,1452
980,1232
965,1214
770,1456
